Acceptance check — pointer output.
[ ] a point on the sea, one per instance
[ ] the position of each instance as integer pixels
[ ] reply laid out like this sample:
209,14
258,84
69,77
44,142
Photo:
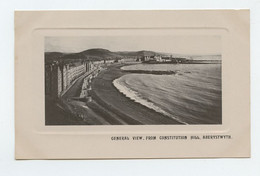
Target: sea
192,95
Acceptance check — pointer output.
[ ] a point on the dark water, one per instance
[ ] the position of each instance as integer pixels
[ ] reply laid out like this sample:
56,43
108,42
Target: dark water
191,96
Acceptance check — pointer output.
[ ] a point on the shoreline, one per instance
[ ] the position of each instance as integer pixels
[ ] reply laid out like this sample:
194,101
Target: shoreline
131,112
108,106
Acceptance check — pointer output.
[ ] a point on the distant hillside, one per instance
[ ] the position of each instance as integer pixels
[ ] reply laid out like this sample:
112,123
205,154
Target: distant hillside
53,54
100,54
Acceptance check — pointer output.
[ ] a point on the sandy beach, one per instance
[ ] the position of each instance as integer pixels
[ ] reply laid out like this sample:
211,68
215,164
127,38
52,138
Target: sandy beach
128,111
108,105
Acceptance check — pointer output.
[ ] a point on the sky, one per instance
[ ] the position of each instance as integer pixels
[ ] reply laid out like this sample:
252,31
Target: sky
169,44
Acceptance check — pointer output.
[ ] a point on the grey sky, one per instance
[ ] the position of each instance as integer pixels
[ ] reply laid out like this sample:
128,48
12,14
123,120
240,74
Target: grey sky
169,44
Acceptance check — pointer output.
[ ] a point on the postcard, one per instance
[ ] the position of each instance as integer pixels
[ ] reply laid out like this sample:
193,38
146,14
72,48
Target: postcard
132,84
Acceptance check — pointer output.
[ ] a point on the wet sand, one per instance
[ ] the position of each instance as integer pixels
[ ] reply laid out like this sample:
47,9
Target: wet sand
129,112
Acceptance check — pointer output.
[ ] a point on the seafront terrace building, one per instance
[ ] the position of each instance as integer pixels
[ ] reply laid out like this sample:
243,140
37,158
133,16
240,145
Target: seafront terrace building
59,76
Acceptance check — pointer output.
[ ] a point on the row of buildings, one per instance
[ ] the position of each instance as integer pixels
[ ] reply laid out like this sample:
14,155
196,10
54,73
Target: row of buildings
208,59
162,59
62,71
59,76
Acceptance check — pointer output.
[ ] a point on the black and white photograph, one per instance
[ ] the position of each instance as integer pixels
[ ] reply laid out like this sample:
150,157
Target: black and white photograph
141,84
133,80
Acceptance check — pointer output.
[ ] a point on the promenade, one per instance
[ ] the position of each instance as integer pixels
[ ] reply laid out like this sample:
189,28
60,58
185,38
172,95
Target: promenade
108,105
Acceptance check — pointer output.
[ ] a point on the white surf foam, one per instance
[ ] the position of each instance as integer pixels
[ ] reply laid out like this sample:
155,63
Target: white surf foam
135,96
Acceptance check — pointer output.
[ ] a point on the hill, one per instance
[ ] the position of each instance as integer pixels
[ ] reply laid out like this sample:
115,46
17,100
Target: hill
100,54
53,54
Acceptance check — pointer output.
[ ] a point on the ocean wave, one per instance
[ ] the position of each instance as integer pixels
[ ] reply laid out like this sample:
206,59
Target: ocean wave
135,96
